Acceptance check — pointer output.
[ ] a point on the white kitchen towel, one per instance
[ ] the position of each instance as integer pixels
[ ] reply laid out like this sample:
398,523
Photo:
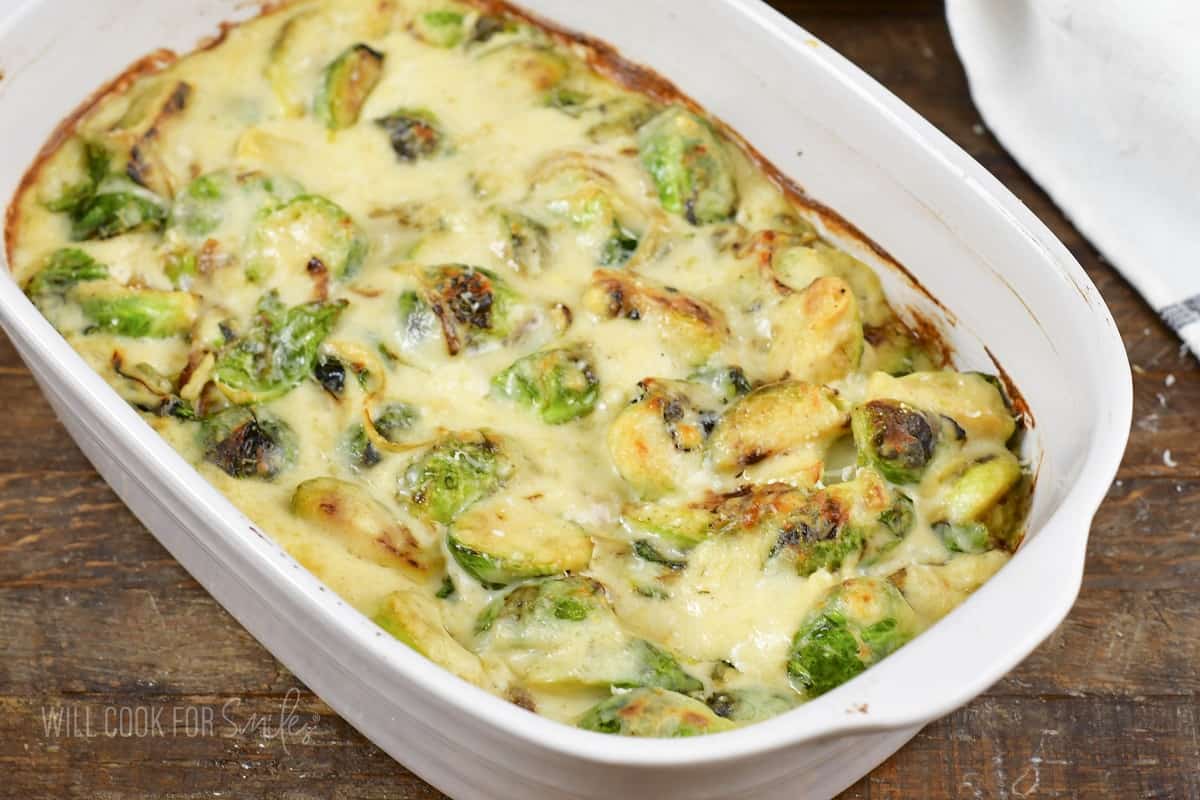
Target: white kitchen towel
1099,100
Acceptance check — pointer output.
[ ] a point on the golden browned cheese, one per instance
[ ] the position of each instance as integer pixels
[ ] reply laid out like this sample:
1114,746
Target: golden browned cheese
549,377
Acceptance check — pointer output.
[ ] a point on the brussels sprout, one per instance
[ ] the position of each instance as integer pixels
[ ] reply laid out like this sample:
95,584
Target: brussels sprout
654,713
118,206
473,305
348,81
895,438
499,543
798,267
984,504
560,385
277,352
331,374
860,623
415,133
247,445
213,198
488,26
455,473
138,313
622,115
539,65
442,28
571,102
657,440
64,269
395,419
96,167
526,242
970,399
744,706
288,52
895,349
358,448
307,232
728,382
563,631
647,551
690,168
364,526
817,334
416,620
691,327
683,527
619,247
778,418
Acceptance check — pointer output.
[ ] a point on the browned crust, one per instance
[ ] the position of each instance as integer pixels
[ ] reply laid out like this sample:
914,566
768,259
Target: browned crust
602,57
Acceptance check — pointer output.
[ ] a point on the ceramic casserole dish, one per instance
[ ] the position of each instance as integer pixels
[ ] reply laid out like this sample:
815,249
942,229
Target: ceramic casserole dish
1000,279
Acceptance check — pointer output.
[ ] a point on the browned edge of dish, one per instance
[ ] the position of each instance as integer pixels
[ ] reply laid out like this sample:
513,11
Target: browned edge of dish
605,59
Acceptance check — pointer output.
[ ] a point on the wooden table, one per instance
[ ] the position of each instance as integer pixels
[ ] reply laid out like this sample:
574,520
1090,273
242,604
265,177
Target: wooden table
97,621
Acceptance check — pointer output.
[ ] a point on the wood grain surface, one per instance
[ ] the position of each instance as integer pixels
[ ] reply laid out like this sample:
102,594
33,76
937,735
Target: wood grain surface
121,678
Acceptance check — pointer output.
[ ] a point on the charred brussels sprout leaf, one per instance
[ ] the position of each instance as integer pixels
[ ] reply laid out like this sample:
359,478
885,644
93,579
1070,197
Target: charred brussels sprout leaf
309,233
895,438
277,352
690,168
453,475
560,385
64,269
654,713
346,85
510,540
331,374
861,622
415,133
442,28
472,304
245,445
137,313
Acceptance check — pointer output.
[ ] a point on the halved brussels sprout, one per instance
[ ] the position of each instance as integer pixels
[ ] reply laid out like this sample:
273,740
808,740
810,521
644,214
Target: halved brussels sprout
729,382
653,713
138,313
416,620
244,444
509,539
688,163
656,441
473,305
860,623
394,420
287,53
277,351
455,473
747,705
358,448
415,133
775,419
984,503
560,385
215,197
817,334
683,527
968,398
443,28
563,631
895,438
690,326
64,269
347,83
799,266
934,590
526,242
539,65
309,233
363,525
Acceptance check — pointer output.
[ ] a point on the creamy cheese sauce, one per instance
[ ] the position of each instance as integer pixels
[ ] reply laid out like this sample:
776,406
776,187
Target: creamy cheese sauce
483,196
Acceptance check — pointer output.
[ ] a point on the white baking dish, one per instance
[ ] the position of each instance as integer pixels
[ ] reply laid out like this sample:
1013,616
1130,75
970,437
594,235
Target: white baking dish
849,143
